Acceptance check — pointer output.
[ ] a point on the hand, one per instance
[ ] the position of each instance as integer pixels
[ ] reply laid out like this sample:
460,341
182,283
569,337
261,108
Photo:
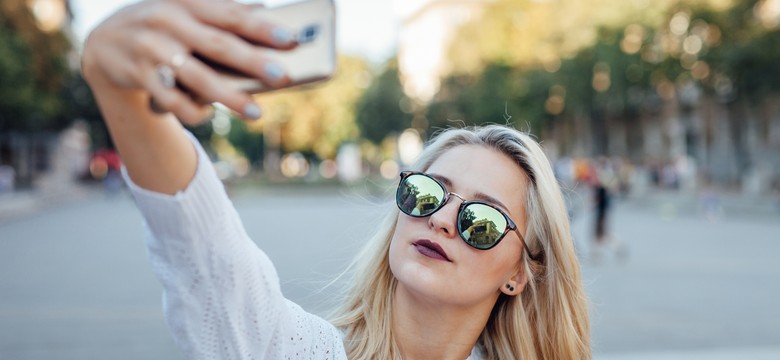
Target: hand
150,47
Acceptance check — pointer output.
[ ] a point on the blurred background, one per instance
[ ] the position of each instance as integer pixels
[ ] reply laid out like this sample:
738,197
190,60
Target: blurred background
661,120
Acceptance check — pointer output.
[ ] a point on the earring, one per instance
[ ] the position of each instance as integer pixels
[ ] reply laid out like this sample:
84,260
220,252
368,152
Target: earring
510,287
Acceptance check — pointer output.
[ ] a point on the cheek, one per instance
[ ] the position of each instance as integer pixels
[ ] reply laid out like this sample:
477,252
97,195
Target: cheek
396,243
401,253
495,269
404,227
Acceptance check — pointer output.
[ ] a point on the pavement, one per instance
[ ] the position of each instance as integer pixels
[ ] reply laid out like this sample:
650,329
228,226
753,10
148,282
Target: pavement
22,203
722,354
718,204
711,203
75,282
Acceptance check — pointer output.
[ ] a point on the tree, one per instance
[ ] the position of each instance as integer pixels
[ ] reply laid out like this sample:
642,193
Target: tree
499,94
384,108
531,33
250,144
571,66
313,119
33,69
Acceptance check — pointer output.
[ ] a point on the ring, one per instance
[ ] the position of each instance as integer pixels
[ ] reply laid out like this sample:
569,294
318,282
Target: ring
166,75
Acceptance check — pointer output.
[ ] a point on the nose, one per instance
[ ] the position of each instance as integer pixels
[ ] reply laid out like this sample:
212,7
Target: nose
446,218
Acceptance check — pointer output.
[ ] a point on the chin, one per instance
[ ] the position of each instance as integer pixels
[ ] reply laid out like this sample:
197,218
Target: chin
420,279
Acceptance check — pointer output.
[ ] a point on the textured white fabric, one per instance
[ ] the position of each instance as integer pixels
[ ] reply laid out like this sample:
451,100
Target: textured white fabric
221,294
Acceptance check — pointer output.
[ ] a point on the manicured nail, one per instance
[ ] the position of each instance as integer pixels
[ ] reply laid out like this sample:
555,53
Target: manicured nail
281,36
252,111
274,71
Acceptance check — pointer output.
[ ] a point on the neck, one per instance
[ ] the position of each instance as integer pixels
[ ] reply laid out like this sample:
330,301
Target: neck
425,329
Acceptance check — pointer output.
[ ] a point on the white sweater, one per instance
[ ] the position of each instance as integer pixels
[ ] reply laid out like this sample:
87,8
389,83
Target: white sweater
221,294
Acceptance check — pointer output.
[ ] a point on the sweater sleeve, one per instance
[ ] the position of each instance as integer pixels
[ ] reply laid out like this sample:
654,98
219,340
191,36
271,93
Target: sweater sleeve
221,293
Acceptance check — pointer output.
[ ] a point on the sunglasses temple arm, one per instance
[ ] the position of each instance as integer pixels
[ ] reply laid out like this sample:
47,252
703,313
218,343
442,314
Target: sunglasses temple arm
525,246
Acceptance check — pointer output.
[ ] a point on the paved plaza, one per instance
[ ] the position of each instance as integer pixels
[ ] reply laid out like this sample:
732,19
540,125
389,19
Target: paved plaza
75,282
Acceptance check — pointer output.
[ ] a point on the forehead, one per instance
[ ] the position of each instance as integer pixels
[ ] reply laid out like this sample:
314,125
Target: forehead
475,168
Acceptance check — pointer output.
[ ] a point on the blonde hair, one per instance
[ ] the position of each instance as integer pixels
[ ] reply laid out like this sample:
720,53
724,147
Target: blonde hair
549,320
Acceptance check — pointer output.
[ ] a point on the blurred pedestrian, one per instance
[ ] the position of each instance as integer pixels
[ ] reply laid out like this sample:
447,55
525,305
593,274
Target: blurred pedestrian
602,197
424,288
604,187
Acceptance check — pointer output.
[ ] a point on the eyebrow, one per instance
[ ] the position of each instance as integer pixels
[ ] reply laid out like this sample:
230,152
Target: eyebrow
478,195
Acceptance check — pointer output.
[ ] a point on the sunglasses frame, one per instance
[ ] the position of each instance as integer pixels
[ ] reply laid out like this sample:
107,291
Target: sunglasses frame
510,225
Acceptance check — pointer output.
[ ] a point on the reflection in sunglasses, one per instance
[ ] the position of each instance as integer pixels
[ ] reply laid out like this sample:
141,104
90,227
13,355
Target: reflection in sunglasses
427,203
480,225
483,232
414,203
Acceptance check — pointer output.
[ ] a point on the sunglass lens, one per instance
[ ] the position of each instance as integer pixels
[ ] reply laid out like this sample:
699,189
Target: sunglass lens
419,195
481,225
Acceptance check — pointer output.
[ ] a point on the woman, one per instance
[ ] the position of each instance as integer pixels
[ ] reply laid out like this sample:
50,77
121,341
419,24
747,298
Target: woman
475,262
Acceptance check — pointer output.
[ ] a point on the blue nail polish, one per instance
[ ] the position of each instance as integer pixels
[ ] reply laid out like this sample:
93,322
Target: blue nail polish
252,111
281,36
274,71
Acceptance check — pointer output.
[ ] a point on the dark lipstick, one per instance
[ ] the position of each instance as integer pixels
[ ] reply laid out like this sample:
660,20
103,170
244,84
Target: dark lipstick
431,249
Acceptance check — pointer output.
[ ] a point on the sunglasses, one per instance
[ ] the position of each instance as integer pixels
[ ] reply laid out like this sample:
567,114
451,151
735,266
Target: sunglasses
482,225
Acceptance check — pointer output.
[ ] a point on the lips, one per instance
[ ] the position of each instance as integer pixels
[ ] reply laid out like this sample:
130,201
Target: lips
431,249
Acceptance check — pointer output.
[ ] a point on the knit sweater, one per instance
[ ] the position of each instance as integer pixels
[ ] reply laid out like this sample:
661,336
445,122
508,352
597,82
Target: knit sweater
221,293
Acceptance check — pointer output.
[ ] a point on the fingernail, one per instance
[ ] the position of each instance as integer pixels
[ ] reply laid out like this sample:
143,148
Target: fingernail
274,71
281,35
252,111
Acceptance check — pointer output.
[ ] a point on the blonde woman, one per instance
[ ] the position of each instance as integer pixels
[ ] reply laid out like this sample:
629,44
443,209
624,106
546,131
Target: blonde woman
475,262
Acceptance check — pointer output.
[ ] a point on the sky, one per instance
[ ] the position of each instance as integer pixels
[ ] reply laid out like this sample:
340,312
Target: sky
368,28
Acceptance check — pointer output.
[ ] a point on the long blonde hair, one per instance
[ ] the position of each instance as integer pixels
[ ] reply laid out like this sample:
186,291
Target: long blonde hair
549,320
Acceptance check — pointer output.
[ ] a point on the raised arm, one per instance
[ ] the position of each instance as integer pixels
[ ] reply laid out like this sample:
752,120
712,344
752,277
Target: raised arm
222,297
125,62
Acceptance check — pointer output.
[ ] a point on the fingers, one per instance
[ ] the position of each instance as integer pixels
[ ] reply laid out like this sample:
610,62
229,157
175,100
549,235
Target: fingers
209,34
157,41
245,21
229,50
170,99
180,83
205,84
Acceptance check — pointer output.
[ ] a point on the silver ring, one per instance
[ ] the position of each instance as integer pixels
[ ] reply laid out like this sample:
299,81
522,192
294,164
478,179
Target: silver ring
166,75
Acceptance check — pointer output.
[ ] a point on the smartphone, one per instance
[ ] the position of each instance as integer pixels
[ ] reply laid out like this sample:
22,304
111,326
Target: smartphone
313,22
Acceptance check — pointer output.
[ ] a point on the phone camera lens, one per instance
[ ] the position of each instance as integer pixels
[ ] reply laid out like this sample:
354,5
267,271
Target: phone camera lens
308,34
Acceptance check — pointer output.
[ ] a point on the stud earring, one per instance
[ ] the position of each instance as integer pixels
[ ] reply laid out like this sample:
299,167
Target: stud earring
510,287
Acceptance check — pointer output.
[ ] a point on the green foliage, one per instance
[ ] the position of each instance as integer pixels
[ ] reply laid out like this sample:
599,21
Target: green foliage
628,67
379,111
79,103
33,72
203,132
250,144
490,96
17,87
316,118
746,56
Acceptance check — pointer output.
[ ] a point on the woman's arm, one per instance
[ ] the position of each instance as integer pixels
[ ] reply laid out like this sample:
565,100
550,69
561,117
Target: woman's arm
222,297
221,293
121,61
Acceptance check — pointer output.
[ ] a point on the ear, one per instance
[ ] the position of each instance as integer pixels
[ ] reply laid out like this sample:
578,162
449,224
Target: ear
516,283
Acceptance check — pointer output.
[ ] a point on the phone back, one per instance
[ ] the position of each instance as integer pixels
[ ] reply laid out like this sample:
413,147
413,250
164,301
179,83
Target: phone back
314,59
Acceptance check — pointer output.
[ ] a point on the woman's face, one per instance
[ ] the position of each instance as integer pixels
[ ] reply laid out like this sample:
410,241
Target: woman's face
467,276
